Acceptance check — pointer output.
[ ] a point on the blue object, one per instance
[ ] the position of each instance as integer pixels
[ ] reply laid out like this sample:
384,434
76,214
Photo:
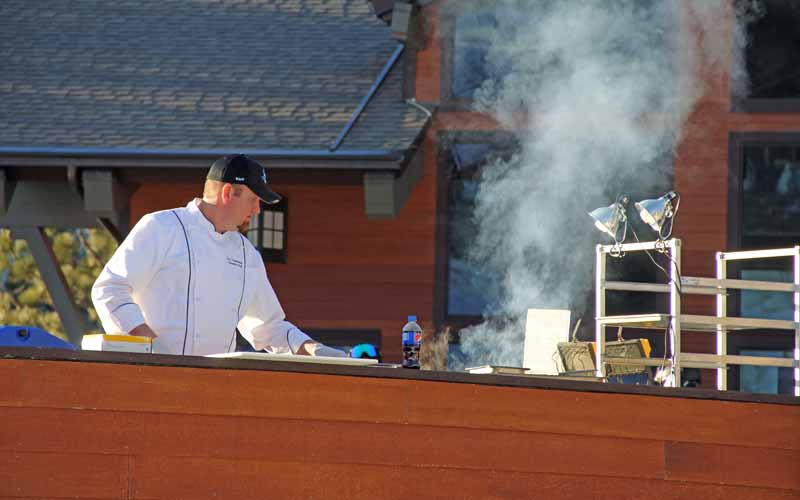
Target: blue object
365,351
412,342
30,336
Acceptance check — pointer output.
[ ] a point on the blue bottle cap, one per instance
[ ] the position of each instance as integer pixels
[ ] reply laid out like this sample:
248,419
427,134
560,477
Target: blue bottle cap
412,318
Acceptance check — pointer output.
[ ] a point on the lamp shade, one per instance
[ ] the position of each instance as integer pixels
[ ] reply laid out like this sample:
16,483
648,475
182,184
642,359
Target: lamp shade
608,219
656,211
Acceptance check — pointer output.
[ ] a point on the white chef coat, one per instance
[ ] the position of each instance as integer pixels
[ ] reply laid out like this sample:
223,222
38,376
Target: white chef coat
192,286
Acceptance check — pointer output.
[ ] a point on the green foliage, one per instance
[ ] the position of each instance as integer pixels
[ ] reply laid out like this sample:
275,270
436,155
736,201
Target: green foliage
24,299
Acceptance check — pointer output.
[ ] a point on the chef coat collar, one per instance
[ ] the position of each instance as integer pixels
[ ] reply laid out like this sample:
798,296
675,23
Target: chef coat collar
194,211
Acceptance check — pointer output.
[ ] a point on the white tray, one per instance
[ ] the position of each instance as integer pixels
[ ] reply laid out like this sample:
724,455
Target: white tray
325,360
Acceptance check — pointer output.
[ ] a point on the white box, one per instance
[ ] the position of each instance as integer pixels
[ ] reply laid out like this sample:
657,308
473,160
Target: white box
544,329
119,343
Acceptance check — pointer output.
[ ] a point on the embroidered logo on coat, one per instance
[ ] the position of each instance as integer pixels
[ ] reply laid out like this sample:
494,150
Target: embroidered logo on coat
234,262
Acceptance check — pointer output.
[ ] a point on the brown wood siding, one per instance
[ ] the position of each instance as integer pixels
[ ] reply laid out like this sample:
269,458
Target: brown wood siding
343,269
700,173
346,271
98,430
701,177
428,58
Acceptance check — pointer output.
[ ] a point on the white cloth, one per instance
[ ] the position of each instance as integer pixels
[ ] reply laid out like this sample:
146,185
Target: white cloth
317,349
192,296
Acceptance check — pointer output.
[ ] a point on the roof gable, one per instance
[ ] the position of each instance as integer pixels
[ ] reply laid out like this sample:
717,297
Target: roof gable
202,74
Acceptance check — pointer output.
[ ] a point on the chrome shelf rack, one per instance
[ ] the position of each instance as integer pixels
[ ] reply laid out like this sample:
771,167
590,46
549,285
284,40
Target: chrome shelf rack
720,324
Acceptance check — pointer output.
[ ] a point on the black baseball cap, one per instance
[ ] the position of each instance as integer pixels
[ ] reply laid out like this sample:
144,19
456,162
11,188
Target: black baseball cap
240,169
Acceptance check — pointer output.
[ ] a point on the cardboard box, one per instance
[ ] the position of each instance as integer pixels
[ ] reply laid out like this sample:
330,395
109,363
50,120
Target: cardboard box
119,343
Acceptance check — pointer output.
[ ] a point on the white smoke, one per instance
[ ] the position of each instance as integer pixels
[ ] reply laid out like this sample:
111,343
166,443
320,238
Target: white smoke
598,94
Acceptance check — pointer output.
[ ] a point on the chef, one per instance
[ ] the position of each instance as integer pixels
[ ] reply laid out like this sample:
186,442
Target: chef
187,278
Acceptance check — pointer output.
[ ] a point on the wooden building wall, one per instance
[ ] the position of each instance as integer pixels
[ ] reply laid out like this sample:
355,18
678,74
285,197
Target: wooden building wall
344,271
118,431
700,170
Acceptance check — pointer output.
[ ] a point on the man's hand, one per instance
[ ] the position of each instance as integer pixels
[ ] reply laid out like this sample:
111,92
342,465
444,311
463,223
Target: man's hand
143,331
311,348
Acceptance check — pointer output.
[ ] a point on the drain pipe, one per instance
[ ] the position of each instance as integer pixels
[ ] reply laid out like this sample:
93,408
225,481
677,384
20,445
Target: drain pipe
365,100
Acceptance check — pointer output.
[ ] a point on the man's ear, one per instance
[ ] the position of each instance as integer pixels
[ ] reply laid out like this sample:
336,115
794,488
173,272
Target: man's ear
226,193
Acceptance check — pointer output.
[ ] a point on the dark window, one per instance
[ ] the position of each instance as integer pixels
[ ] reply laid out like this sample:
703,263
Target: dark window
464,288
763,379
470,291
771,195
268,231
770,208
765,213
345,339
468,286
472,35
772,57
482,44
468,62
773,51
766,379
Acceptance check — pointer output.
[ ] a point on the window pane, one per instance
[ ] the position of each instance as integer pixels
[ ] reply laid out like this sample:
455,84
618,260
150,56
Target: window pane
773,51
770,194
765,379
472,36
267,239
468,156
277,241
469,289
486,41
468,70
278,222
269,217
252,231
767,305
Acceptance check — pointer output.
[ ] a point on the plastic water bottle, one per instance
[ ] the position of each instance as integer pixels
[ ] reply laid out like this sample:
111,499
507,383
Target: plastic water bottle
412,341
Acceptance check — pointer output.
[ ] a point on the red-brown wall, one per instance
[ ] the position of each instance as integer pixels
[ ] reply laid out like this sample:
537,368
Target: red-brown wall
701,177
108,431
700,170
346,271
343,269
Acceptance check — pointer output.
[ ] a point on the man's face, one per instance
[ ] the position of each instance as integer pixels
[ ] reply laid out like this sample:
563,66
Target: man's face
242,205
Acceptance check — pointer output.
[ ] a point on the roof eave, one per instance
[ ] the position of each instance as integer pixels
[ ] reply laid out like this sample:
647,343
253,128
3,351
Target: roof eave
375,159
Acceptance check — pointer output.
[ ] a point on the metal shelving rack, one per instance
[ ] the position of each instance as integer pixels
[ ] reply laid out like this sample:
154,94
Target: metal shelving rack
720,324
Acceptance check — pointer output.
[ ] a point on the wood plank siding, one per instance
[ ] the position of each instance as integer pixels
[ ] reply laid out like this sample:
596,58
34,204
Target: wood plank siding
103,430
343,271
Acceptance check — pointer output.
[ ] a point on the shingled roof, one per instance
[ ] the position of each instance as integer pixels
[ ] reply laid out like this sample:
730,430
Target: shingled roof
198,75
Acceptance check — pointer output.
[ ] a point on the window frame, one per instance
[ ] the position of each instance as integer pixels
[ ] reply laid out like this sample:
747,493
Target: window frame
446,140
331,337
447,54
767,339
346,336
746,104
272,255
446,63
737,141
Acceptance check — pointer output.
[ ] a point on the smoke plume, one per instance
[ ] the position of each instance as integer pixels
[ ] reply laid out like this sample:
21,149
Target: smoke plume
597,93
